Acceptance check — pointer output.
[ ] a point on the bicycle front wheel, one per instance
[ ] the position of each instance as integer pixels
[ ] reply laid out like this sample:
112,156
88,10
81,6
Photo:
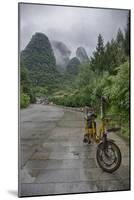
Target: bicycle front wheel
108,156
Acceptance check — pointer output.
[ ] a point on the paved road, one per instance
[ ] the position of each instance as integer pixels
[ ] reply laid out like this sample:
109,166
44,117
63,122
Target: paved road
54,159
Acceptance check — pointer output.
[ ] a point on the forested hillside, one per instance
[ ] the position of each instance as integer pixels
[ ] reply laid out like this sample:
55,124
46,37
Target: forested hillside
38,69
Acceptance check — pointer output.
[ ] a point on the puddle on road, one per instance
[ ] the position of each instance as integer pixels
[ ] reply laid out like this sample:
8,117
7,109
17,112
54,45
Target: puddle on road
75,153
34,173
28,175
40,156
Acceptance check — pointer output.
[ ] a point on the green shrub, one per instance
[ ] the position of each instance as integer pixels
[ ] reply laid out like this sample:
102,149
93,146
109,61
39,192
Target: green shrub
24,100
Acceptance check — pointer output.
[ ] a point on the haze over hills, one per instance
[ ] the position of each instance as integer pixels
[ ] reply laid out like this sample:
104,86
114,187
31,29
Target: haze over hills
46,61
81,54
48,64
62,54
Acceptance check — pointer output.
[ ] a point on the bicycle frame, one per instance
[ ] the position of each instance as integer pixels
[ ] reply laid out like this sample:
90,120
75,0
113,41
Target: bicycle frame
102,127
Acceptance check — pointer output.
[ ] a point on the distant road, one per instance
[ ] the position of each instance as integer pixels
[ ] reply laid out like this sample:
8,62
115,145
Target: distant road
54,159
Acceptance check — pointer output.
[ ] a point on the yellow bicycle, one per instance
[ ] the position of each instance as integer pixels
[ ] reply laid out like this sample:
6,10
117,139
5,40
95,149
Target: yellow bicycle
108,154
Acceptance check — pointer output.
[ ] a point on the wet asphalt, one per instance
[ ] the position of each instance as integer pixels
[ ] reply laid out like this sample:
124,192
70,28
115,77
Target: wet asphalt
54,160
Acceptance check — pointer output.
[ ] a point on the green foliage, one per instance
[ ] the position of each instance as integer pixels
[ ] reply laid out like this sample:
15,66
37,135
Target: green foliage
119,89
85,76
40,91
114,56
120,38
38,58
110,56
97,60
127,38
25,81
73,66
100,45
26,87
24,99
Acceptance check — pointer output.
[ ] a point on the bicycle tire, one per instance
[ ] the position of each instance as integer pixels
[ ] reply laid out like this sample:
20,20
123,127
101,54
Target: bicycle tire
100,162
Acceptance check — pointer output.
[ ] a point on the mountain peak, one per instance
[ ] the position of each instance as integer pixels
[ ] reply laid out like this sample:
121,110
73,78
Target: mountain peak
73,66
39,40
82,55
38,58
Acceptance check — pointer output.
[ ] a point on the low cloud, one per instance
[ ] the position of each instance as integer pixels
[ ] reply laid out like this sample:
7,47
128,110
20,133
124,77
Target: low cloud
73,26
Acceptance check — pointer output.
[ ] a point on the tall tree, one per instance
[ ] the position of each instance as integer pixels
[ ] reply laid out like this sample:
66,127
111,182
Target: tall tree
97,61
100,45
127,37
120,38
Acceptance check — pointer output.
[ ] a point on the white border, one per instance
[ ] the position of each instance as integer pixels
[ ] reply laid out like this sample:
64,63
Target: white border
9,96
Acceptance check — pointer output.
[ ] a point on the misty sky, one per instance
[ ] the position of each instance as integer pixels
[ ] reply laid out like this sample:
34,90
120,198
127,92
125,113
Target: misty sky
72,25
